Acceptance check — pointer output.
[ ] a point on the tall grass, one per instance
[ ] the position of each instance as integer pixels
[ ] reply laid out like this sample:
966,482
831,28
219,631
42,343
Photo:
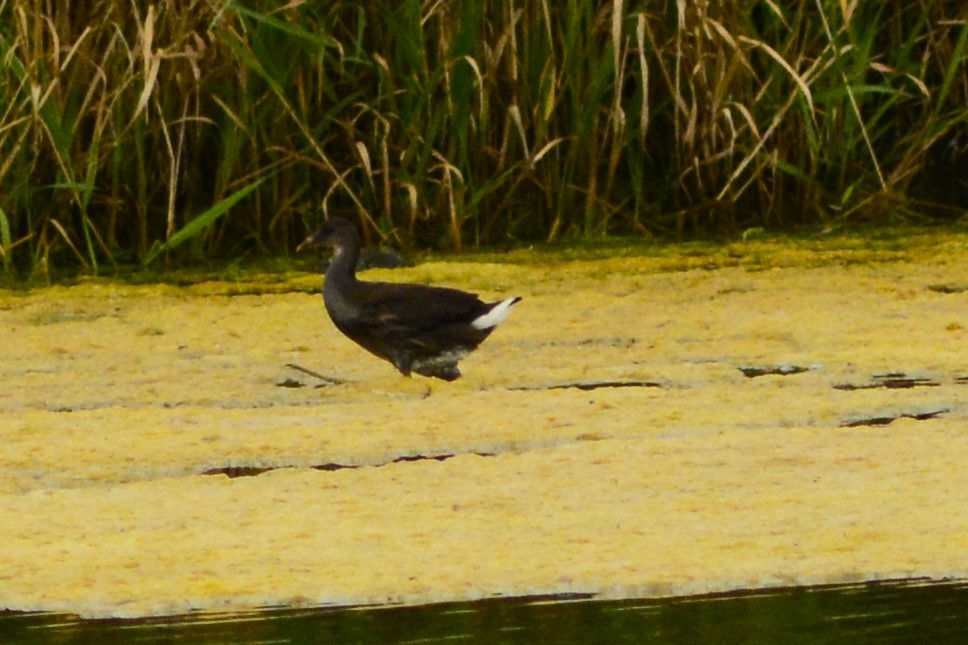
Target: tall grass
462,122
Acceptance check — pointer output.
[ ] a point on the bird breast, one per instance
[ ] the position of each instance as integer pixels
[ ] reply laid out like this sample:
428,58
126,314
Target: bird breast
338,305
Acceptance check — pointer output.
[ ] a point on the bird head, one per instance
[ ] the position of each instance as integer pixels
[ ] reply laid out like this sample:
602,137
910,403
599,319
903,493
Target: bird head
336,234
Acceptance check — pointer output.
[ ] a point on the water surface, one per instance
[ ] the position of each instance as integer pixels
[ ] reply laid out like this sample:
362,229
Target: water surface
882,612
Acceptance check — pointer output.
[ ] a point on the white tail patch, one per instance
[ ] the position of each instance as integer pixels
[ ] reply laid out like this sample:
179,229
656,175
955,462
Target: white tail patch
495,315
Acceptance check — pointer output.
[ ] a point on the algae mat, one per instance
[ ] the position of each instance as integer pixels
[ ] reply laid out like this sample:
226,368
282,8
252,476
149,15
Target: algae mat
638,427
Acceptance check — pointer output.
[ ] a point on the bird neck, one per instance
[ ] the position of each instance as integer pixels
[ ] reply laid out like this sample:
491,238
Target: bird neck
342,266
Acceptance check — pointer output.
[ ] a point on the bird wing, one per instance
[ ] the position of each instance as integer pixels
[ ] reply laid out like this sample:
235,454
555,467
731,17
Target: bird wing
416,307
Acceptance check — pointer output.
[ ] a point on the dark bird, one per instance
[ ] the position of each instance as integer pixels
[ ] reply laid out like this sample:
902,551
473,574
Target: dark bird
419,329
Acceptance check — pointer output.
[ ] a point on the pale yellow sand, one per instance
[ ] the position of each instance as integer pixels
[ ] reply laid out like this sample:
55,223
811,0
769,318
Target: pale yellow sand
115,399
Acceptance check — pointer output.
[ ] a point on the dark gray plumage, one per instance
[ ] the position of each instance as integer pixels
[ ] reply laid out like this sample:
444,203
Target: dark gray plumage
419,329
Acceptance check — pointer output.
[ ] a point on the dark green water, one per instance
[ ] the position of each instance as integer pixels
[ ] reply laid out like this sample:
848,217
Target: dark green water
869,613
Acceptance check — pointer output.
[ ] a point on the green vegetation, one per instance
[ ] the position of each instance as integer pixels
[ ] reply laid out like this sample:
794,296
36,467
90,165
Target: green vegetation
130,129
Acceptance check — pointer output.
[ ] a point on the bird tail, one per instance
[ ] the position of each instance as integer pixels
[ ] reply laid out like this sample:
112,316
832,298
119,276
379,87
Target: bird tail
495,315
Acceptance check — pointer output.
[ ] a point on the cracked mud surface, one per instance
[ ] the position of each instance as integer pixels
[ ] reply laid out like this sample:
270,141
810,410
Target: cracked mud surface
629,431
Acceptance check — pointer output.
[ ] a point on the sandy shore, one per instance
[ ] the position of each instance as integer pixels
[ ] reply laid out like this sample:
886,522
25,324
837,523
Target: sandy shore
690,477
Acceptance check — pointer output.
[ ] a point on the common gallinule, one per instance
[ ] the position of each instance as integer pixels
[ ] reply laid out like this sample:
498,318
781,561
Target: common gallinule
417,328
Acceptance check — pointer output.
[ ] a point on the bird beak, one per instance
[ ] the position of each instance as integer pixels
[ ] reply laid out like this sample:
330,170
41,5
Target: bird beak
308,243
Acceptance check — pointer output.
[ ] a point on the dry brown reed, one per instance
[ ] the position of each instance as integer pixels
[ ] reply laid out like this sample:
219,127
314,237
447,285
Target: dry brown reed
127,129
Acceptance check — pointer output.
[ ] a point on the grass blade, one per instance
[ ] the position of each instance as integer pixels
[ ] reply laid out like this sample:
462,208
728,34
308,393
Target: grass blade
200,223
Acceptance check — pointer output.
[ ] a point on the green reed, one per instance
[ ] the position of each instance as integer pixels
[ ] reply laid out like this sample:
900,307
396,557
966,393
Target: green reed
132,129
